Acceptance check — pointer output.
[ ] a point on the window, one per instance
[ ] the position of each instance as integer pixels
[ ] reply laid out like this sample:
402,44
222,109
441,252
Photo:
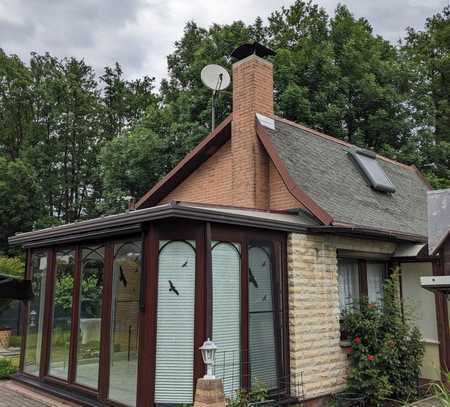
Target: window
348,280
124,322
263,316
175,323
90,306
62,314
360,278
36,314
226,333
367,162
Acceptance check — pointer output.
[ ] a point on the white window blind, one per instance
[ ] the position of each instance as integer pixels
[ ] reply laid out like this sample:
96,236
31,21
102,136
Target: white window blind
175,323
375,282
226,271
262,349
348,280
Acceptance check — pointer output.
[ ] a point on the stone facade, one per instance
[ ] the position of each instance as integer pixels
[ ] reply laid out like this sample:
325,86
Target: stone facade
315,349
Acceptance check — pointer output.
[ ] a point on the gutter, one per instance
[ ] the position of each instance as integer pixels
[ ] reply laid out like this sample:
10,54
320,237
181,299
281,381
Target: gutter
353,231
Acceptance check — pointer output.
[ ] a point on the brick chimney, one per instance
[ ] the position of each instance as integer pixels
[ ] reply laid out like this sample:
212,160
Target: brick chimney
252,93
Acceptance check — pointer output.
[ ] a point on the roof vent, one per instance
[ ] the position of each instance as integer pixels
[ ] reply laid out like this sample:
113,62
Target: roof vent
367,162
255,48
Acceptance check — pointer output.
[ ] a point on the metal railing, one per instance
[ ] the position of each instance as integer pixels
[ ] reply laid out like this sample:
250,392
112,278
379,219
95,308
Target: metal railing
260,371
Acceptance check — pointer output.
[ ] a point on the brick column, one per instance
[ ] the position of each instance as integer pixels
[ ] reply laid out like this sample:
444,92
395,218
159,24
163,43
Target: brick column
252,93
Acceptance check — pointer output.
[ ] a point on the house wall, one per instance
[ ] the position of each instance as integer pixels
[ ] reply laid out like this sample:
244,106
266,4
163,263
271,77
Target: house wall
314,330
280,197
421,305
210,183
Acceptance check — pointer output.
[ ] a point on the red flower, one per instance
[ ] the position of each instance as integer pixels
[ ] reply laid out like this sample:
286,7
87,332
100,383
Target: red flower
370,358
357,340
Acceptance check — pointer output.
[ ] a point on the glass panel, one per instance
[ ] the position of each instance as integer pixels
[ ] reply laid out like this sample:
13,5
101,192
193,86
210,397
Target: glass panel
175,327
348,280
36,315
375,282
62,314
124,322
88,347
226,276
262,313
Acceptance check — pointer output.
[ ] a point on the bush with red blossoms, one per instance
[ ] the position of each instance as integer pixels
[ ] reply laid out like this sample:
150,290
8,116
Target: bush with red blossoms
386,352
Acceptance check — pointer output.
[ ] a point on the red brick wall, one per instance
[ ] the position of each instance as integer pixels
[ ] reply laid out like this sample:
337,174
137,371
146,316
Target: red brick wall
252,93
210,183
280,197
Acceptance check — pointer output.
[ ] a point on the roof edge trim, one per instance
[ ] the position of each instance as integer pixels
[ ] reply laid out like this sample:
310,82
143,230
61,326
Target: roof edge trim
291,185
148,198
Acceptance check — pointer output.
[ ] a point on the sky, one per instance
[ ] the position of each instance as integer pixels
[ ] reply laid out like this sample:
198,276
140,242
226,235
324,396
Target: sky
139,34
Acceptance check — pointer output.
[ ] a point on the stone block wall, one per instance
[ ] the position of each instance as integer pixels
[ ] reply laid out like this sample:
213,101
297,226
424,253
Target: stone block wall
314,330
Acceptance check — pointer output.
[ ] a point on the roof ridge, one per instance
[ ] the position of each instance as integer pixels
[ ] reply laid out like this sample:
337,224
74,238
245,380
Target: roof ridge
342,142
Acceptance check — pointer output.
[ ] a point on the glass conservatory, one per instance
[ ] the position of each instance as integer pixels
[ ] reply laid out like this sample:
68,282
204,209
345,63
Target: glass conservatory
122,304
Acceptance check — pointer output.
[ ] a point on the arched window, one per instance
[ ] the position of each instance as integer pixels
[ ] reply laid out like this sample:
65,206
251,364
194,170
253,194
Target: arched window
90,306
175,322
124,322
226,327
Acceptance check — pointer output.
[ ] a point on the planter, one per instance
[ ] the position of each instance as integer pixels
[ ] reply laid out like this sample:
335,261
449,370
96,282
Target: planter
5,336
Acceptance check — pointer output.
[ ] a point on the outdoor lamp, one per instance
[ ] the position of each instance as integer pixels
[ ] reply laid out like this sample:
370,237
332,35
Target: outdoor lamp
208,350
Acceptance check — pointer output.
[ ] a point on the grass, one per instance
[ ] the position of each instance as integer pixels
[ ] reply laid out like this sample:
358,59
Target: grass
442,391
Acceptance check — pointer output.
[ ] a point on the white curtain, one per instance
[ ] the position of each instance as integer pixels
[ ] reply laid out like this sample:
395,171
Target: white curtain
348,279
375,282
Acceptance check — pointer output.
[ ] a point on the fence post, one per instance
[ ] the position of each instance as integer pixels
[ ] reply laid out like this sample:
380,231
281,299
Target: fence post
209,393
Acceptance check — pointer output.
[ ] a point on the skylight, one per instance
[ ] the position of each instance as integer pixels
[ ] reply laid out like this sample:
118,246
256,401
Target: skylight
367,161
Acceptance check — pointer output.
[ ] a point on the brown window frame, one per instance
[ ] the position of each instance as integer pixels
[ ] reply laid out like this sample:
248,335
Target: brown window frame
202,233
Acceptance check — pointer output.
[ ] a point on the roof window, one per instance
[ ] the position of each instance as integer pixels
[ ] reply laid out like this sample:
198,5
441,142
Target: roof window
367,162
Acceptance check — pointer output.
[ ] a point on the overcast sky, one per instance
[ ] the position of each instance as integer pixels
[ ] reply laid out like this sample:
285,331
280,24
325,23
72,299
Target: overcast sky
139,34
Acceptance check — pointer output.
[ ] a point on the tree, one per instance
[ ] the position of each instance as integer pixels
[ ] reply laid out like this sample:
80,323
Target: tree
19,198
426,55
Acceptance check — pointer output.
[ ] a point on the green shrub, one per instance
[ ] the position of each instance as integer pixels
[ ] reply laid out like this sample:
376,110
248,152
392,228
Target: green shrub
386,352
6,368
243,397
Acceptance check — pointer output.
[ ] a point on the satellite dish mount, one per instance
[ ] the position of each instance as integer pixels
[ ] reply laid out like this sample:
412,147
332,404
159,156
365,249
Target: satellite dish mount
216,78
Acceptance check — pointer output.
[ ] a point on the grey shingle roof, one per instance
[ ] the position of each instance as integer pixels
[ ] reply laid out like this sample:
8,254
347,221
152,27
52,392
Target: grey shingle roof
324,169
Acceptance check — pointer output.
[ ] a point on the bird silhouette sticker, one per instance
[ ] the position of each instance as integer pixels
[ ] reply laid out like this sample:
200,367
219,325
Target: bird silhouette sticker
122,277
252,278
185,264
172,288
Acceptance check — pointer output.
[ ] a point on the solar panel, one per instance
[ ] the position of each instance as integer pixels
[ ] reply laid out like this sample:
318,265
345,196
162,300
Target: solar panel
367,161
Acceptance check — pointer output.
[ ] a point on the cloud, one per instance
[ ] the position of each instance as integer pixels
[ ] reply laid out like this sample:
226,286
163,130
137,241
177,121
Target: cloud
140,33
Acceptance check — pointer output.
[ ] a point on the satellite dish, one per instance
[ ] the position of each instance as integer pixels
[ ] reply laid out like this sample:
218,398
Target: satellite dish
215,77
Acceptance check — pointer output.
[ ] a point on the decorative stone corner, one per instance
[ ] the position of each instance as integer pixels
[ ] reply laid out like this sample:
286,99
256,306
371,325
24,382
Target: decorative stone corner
209,393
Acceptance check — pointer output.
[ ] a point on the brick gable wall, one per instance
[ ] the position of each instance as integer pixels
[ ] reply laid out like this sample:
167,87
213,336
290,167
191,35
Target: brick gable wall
241,173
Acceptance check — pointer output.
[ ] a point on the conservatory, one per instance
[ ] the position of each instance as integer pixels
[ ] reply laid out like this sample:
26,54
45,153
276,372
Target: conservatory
122,303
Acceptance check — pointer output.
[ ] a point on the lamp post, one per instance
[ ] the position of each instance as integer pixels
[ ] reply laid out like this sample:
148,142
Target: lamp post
208,350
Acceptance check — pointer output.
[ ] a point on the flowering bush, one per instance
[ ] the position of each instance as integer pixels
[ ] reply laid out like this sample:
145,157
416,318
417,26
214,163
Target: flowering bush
386,352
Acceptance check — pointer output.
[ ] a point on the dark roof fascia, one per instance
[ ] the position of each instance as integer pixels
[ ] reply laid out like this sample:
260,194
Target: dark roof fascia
363,232
292,187
131,222
204,150
441,242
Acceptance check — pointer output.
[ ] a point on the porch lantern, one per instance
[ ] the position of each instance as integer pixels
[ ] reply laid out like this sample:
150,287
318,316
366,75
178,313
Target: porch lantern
208,350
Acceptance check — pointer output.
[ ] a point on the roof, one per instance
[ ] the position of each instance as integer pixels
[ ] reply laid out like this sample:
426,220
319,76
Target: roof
438,219
131,222
322,167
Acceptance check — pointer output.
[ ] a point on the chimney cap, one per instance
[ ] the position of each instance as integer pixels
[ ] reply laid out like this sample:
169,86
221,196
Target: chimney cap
254,48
